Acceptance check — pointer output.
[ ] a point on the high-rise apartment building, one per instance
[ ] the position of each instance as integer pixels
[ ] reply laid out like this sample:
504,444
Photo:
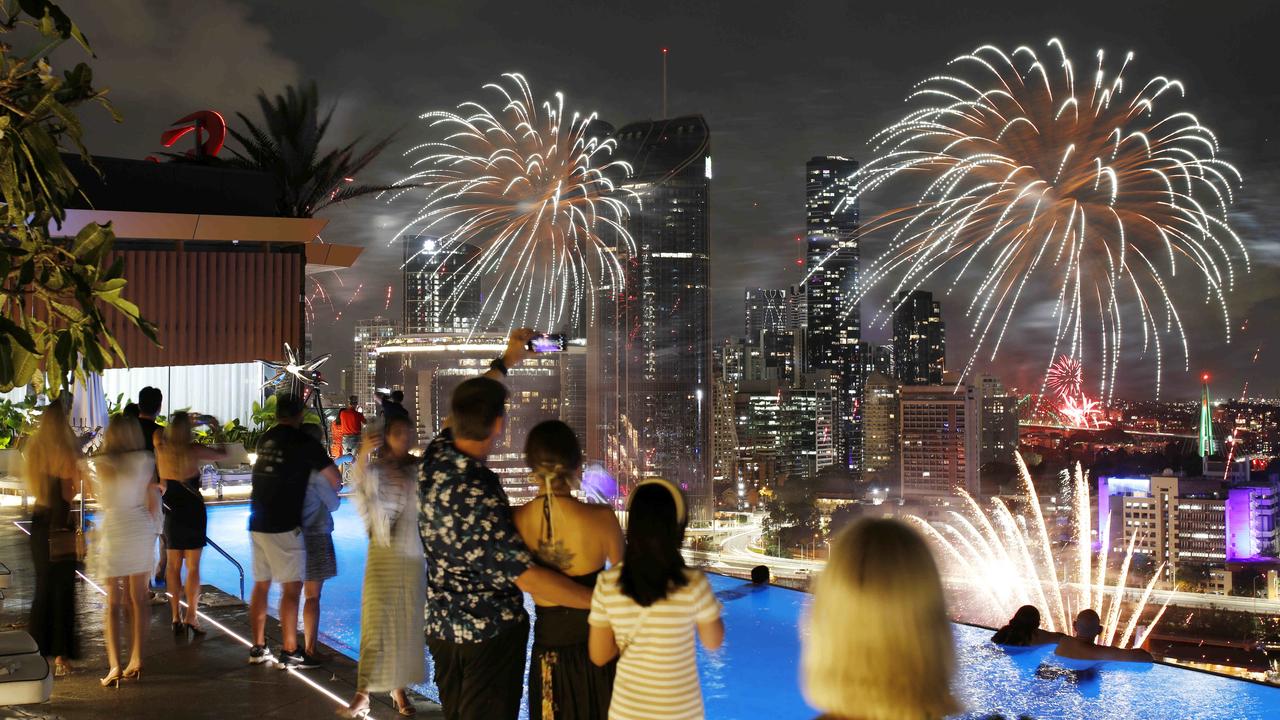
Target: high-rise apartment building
880,418
437,297
727,374
919,339
370,334
995,415
936,442
662,317
833,321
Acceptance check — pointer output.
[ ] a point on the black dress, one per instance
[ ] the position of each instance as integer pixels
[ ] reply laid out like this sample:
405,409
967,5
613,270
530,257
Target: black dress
53,607
185,519
563,682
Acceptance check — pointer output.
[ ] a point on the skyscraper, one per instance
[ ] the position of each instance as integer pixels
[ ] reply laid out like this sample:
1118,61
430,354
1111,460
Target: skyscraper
919,339
664,311
370,334
880,415
434,298
936,441
996,419
767,309
834,323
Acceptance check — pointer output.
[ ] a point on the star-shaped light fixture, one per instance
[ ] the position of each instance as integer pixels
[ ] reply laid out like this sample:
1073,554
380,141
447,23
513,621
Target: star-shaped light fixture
292,370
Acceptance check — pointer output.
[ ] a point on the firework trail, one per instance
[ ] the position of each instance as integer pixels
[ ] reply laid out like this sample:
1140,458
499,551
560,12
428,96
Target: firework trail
532,189
1037,179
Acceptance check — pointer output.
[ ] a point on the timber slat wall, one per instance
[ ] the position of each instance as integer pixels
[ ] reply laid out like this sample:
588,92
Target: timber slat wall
211,306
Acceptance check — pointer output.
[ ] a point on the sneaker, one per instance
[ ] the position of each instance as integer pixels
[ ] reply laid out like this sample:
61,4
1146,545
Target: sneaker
298,659
259,654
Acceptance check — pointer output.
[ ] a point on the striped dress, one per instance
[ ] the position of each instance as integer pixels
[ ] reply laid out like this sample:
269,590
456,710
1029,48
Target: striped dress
658,672
392,645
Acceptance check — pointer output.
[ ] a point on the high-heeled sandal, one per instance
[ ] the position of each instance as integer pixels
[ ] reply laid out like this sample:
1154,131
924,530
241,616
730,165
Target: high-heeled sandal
351,713
405,710
195,630
179,627
132,674
112,679
61,668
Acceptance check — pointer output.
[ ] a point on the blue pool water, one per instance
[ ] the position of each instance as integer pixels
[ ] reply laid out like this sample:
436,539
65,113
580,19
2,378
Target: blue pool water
755,675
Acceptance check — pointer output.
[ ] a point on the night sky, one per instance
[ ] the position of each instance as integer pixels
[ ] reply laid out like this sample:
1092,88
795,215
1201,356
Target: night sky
777,82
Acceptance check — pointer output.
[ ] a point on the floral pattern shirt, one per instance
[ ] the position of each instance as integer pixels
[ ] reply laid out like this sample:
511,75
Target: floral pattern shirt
474,552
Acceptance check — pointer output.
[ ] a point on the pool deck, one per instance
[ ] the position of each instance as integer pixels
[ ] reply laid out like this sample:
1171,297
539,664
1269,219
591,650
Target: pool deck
206,678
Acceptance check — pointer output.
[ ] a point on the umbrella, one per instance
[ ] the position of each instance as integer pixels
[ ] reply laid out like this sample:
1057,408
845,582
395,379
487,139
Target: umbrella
88,405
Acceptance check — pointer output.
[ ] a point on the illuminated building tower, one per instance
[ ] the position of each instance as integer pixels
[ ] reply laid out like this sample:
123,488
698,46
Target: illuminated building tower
880,425
664,316
1205,429
936,441
833,322
919,339
433,298
369,335
767,309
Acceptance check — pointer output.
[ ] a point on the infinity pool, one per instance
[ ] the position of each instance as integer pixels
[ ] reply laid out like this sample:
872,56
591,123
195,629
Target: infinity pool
755,674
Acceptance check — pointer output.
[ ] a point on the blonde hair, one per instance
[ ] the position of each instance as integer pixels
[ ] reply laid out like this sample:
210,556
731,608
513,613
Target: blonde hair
52,452
123,435
879,646
173,448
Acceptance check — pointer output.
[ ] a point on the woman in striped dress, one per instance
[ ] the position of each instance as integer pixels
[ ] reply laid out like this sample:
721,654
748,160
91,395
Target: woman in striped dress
647,609
392,645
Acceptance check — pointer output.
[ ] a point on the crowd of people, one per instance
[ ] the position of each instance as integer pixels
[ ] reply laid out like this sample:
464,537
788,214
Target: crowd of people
449,560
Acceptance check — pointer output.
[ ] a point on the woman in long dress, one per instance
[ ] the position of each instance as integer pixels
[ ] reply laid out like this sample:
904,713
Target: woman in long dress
576,539
178,459
124,542
53,475
392,645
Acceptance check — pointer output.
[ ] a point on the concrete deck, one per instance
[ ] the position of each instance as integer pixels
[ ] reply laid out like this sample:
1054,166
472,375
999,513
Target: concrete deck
205,678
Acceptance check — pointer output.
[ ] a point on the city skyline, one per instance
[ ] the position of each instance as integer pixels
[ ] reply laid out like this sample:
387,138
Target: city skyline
823,107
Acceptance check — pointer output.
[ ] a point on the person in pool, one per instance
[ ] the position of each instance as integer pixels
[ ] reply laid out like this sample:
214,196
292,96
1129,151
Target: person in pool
1082,651
1023,630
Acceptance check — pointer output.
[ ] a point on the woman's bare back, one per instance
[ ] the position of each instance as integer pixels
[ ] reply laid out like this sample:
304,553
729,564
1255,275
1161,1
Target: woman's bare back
582,538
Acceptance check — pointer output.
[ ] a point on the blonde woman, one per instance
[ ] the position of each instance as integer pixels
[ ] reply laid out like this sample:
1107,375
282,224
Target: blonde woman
394,592
178,460
124,543
53,476
878,644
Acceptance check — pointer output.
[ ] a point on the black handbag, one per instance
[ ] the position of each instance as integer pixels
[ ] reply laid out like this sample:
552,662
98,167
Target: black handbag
66,544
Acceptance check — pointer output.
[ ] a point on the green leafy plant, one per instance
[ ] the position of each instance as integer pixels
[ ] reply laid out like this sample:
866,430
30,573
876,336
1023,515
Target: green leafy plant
15,417
55,293
287,146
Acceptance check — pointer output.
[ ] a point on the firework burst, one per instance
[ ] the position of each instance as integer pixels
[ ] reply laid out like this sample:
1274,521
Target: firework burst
1089,188
530,187
1065,377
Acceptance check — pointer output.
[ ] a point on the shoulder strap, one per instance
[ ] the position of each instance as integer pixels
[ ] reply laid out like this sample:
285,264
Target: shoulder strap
625,642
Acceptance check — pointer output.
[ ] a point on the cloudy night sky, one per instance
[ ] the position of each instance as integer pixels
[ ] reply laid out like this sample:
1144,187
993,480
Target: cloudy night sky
777,83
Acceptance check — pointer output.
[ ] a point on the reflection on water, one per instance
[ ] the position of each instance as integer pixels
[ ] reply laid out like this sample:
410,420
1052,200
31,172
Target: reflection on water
755,675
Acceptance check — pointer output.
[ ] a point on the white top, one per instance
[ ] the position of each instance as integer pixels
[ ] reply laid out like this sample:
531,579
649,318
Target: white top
658,672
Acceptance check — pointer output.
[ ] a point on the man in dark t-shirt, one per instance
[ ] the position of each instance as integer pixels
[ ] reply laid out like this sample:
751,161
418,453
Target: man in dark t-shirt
286,458
149,401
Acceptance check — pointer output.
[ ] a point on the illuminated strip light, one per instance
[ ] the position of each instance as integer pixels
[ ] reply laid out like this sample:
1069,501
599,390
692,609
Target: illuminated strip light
243,640
450,347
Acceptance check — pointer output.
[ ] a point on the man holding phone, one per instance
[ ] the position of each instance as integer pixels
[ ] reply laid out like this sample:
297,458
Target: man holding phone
478,566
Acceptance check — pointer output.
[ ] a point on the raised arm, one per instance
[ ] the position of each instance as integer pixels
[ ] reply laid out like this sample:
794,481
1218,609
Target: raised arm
517,350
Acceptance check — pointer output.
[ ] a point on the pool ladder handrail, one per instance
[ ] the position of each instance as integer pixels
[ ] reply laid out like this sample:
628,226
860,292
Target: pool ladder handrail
239,568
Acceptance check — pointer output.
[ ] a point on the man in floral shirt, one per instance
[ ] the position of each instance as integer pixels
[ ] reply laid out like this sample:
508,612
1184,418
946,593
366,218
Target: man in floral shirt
477,564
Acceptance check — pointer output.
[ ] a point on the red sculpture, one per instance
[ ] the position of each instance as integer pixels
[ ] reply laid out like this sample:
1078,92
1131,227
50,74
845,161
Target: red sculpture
210,122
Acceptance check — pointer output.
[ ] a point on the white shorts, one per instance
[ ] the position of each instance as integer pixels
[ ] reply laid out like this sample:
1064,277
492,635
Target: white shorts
279,557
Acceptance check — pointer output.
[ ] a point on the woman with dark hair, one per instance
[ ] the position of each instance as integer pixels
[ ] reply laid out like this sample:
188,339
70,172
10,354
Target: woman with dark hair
391,620
645,611
1023,630
178,461
574,538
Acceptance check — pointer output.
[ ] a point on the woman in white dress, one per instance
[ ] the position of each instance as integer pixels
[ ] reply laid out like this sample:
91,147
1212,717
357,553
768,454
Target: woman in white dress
392,645
124,546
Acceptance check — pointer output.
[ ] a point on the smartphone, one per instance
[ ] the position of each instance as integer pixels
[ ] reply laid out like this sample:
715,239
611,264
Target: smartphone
546,342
